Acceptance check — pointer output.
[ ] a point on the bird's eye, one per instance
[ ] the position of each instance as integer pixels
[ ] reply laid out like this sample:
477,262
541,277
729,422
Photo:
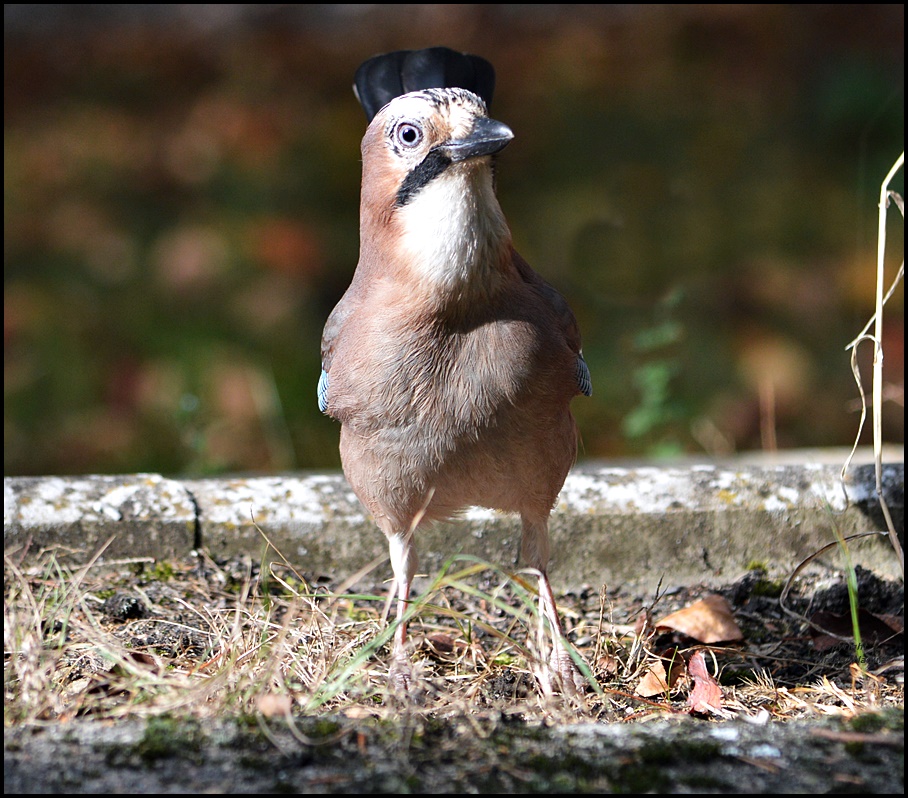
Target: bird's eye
408,134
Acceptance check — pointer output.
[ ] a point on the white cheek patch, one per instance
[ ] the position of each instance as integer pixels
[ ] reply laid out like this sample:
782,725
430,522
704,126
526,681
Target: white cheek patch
452,229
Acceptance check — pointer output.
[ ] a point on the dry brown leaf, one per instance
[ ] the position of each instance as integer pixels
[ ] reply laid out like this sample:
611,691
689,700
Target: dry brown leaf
709,620
656,681
875,629
440,643
609,664
442,647
706,695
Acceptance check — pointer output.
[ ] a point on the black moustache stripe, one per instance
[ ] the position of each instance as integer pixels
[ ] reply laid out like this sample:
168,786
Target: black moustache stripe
429,168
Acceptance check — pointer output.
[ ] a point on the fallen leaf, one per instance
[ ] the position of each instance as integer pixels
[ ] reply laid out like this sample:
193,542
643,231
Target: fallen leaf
608,664
709,620
706,695
875,629
150,661
441,643
656,681
441,646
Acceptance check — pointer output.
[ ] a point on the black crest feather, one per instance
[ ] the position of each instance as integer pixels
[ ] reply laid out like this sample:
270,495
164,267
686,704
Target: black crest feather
384,77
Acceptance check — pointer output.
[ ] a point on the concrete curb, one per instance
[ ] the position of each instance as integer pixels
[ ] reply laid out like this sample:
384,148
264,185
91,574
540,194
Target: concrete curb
612,525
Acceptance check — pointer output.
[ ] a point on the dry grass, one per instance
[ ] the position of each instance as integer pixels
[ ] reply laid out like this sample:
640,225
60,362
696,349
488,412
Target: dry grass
205,638
876,338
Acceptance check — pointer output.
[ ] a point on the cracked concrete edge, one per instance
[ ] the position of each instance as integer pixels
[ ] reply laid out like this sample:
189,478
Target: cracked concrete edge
612,525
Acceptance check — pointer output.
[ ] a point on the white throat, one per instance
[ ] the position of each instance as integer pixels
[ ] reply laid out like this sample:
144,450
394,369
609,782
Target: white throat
453,229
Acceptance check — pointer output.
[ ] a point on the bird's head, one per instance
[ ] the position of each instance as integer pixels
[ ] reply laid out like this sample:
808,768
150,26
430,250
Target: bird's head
418,137
428,176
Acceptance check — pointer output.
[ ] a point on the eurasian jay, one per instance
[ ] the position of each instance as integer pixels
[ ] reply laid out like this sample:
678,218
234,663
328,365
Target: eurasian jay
449,362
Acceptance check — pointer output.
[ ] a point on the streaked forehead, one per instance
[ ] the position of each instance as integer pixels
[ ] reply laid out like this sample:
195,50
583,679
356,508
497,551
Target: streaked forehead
419,103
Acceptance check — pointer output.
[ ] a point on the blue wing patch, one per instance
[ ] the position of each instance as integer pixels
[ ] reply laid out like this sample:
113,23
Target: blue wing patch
323,391
584,381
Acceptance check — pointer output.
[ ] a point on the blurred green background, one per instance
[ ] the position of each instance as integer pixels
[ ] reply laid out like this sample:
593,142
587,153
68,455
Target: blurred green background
181,189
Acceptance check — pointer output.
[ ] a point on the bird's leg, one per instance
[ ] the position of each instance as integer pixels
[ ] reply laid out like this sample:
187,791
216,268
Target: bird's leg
560,661
403,562
535,552
400,634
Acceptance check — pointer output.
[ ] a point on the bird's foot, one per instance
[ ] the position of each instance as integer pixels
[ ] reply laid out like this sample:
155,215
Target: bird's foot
560,676
407,685
400,675
572,680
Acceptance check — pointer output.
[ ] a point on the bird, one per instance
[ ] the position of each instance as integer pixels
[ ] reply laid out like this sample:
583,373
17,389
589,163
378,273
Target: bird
449,362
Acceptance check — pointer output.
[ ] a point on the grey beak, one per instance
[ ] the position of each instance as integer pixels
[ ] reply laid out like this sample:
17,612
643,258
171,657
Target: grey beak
486,137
